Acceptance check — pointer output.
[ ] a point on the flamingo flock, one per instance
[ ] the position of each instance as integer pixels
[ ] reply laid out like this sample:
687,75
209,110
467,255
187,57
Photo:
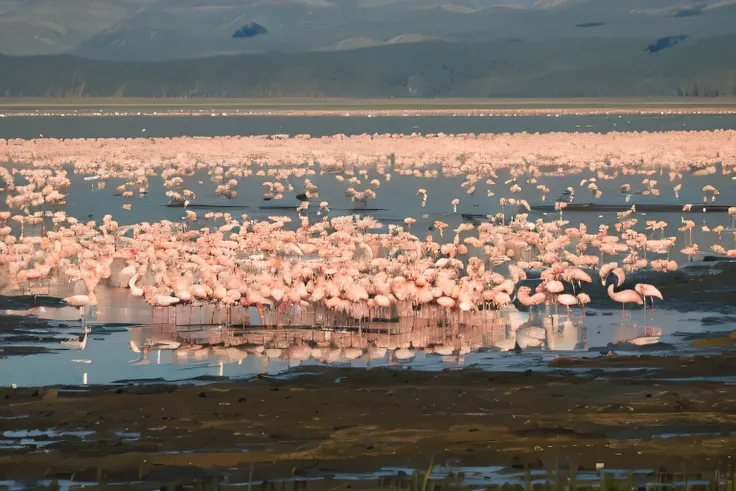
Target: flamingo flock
351,264
481,155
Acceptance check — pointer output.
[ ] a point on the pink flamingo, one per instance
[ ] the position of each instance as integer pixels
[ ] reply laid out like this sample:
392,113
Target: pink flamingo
583,298
567,300
646,290
523,294
624,296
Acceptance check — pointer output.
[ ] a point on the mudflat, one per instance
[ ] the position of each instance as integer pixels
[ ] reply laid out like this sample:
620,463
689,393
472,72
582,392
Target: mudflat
618,410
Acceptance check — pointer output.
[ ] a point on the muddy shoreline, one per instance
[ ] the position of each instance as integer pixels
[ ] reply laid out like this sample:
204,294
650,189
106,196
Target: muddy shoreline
625,411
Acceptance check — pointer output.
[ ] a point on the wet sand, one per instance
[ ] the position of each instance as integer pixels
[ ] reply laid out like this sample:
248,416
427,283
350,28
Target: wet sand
619,410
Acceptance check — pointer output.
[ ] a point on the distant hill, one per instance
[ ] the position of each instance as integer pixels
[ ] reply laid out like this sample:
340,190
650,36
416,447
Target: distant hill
138,30
592,67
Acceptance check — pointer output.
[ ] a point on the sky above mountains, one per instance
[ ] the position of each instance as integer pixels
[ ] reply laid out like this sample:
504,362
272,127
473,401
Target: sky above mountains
178,29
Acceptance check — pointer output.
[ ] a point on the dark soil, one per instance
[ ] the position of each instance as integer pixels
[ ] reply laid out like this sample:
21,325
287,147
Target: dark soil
345,420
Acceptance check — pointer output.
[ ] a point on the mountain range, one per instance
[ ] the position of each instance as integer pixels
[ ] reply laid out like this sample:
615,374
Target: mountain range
591,67
367,48
140,30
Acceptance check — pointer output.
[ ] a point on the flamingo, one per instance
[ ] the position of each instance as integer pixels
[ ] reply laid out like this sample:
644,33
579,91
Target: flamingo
612,268
567,300
82,301
555,288
646,290
624,296
523,294
583,298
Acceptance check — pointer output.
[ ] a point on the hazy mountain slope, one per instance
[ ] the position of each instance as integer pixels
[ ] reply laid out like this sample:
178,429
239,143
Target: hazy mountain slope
9,5
292,27
141,41
57,26
171,29
567,67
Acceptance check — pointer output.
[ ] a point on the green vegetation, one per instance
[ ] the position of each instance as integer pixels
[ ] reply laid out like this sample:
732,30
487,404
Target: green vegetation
566,68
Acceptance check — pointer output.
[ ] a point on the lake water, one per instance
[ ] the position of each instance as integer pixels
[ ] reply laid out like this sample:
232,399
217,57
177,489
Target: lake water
109,356
397,199
170,126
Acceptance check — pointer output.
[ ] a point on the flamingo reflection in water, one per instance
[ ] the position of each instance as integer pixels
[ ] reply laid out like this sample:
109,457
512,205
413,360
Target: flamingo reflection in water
77,343
634,334
149,345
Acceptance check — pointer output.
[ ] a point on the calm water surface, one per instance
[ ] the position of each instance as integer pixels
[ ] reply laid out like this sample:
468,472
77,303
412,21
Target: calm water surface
169,126
108,356
200,347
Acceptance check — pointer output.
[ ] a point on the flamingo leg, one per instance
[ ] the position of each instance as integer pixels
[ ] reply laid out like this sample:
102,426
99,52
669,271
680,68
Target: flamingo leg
646,318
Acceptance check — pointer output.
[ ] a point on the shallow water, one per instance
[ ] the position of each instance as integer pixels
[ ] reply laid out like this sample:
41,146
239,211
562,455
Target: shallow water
108,356
213,352
397,199
168,126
